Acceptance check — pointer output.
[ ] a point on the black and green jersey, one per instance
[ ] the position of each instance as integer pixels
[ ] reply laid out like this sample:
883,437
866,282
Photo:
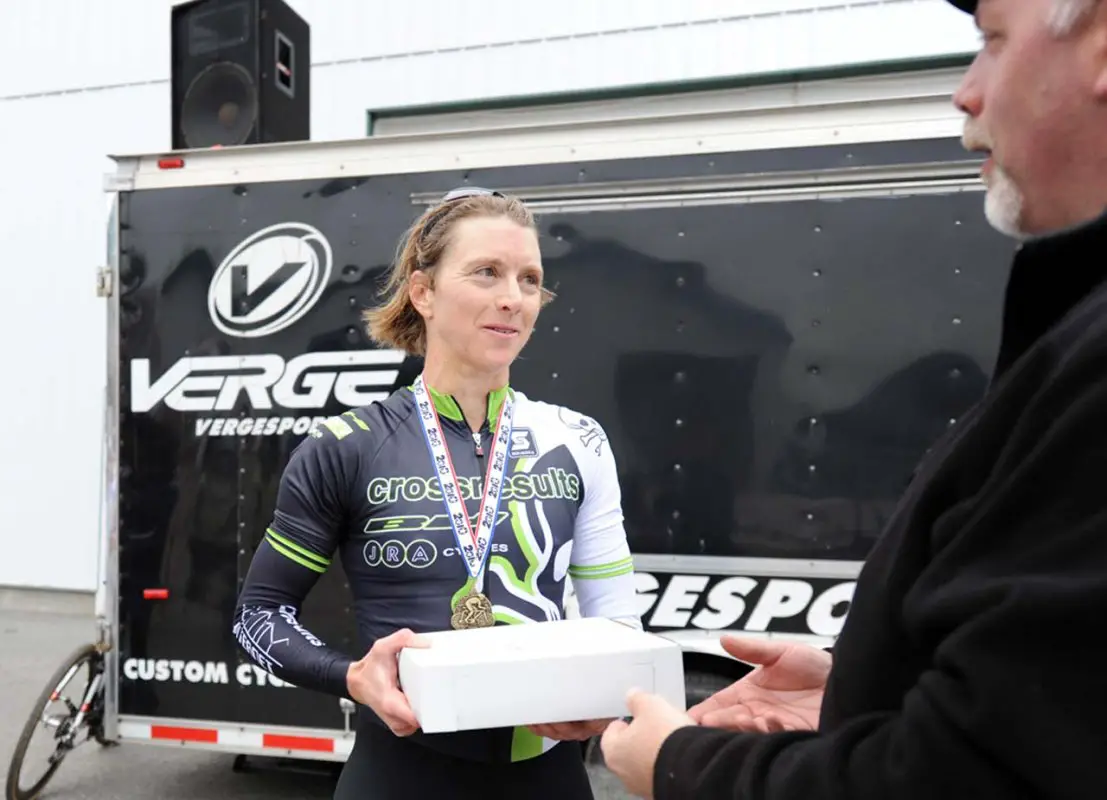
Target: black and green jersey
362,487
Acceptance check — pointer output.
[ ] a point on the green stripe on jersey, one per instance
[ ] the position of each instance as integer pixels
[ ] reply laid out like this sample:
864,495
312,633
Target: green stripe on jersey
525,744
301,555
623,566
338,426
357,420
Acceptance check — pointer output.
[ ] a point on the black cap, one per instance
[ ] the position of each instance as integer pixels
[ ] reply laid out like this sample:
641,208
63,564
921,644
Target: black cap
968,6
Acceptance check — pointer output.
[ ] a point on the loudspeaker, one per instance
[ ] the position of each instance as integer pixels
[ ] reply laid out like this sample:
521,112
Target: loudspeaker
240,73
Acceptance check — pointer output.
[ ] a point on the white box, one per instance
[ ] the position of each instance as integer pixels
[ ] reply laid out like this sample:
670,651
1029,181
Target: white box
563,671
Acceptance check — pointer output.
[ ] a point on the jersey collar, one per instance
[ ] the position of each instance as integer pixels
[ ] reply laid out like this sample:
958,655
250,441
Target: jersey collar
447,406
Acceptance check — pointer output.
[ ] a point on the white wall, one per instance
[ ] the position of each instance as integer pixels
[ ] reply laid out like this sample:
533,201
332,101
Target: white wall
84,79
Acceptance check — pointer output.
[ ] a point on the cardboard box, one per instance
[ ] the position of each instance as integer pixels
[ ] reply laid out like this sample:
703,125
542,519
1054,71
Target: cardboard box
561,671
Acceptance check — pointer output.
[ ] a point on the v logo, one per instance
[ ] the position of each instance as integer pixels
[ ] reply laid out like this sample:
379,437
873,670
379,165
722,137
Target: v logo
243,301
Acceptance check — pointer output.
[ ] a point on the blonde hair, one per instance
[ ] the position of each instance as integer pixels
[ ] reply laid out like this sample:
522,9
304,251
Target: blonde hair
396,323
1066,16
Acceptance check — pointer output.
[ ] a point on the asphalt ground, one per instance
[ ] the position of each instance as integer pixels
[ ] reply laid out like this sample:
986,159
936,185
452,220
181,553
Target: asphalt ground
34,644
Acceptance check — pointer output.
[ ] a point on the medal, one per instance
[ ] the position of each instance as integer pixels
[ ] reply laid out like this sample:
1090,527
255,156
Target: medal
474,609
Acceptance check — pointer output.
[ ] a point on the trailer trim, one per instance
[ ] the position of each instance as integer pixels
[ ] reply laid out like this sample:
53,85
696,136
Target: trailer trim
470,110
873,180
107,586
906,106
708,642
268,740
739,565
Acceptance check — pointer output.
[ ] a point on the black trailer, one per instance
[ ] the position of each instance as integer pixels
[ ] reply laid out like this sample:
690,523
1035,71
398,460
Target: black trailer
774,298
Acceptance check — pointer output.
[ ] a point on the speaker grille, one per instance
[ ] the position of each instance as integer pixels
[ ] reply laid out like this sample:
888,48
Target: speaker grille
220,106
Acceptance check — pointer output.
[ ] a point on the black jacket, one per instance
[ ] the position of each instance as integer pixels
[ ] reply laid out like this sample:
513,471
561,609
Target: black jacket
973,663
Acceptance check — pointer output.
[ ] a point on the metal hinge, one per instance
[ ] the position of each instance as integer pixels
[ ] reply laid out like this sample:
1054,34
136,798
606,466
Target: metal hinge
103,282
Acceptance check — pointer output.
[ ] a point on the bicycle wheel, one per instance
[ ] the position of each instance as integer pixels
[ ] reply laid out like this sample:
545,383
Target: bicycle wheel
85,713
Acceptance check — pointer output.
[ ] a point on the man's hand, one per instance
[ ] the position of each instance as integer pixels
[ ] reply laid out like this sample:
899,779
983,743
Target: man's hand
630,750
571,731
783,693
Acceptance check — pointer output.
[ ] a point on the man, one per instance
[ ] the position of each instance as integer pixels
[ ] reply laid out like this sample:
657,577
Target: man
973,663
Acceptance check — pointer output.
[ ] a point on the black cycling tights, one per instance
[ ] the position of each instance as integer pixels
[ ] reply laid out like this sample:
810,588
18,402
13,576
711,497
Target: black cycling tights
387,767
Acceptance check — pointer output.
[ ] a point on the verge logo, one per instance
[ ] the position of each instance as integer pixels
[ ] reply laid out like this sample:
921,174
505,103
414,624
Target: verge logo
265,382
270,280
817,606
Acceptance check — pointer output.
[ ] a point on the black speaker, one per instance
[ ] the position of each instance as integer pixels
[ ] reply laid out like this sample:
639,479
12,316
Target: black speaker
240,73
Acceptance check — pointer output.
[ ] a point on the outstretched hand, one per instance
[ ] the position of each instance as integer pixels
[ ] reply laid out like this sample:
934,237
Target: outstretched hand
784,691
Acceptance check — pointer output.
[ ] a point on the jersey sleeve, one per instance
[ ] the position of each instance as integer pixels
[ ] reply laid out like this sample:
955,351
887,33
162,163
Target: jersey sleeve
600,564
308,523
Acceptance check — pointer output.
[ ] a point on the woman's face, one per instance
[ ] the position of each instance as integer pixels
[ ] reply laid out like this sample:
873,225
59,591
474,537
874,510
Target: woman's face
486,296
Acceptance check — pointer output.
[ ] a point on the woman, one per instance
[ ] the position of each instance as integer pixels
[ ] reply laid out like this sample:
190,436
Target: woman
376,484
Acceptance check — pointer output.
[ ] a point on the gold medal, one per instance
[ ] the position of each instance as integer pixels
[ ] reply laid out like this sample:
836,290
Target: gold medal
473,610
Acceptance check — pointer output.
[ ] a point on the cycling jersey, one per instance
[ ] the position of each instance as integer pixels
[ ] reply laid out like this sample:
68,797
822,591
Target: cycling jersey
363,484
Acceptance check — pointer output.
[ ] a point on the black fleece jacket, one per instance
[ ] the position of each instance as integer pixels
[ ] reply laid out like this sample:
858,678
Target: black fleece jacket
973,663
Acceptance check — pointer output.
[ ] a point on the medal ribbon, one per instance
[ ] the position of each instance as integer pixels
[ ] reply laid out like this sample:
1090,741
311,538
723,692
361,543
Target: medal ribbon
476,544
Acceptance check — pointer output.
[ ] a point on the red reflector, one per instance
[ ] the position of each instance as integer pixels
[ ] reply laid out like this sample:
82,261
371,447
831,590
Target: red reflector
183,734
155,594
170,163
297,743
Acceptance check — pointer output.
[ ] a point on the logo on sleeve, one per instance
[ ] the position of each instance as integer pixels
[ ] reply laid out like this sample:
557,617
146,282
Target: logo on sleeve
591,434
522,443
393,553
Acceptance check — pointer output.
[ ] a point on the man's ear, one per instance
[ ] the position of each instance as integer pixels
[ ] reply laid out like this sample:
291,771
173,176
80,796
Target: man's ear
421,293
